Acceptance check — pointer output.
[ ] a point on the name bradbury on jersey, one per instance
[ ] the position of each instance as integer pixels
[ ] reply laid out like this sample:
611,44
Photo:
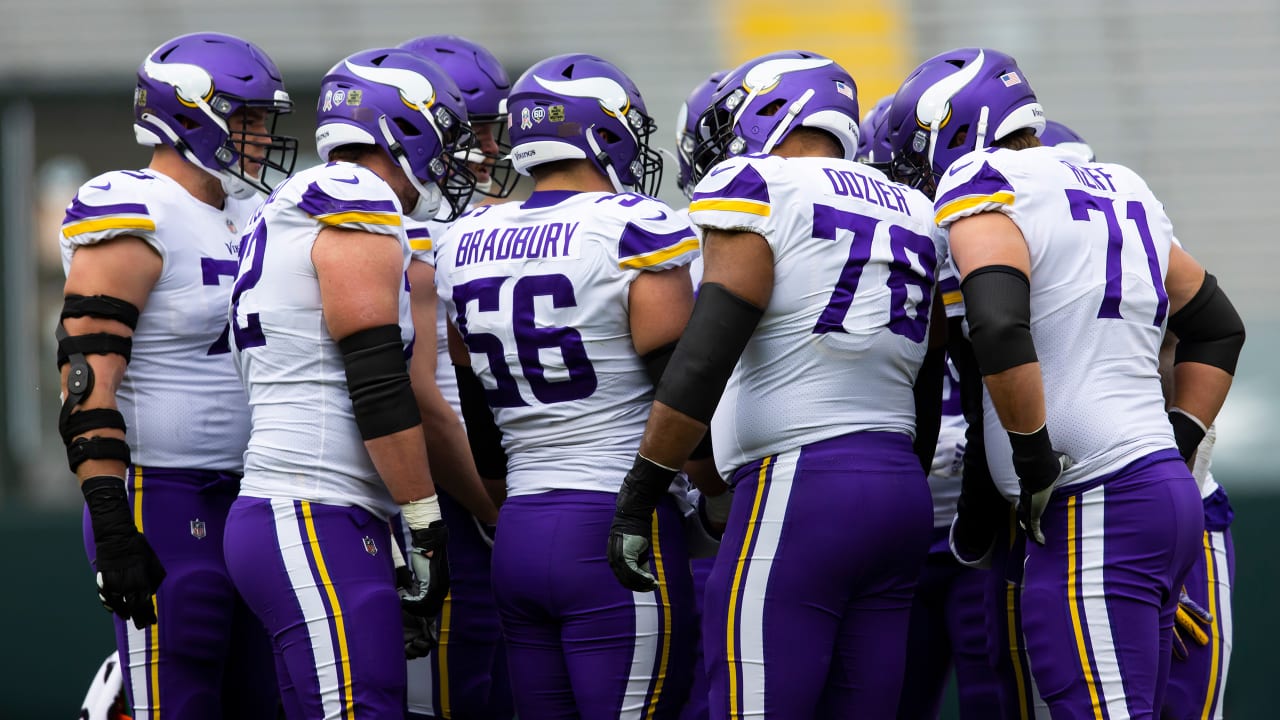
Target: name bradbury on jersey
546,241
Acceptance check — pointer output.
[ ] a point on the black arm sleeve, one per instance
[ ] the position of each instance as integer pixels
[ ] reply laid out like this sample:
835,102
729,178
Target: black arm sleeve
378,381
1209,329
928,397
718,331
483,434
997,301
977,489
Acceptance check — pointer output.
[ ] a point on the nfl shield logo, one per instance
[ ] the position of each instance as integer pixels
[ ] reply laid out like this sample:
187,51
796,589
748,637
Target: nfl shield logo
370,546
197,529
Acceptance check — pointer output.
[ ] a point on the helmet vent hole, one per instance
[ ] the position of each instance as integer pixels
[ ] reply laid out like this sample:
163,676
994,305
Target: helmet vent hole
607,135
165,55
406,128
568,71
956,62
961,135
772,108
378,60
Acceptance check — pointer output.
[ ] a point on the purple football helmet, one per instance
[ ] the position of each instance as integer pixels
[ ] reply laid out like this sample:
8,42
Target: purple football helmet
1060,136
761,101
873,136
954,103
409,107
484,85
579,106
687,127
188,91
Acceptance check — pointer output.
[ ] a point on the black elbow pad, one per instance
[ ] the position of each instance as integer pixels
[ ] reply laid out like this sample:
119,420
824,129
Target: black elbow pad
1209,329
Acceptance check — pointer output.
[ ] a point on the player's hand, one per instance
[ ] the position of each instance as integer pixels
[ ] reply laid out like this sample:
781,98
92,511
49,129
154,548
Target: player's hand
1038,467
430,566
629,544
1187,622
980,512
1031,504
129,573
420,635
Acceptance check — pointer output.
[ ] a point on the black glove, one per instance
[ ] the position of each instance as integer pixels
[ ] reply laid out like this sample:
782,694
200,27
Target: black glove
645,485
430,565
420,633
1038,467
980,511
128,570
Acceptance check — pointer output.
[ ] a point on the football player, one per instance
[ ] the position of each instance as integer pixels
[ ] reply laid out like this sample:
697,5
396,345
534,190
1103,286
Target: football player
154,418
1070,274
321,331
686,141
818,283
566,306
465,677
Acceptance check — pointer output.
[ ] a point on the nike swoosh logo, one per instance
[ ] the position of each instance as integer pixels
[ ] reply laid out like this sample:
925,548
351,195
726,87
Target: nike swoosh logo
353,181
662,215
717,171
102,187
958,168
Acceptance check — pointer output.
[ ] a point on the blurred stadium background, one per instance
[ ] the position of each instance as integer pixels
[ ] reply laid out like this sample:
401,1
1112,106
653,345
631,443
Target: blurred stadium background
1185,92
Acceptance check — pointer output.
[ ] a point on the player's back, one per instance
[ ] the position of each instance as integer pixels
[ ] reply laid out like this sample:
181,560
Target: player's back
305,442
1099,243
855,258
180,396
540,292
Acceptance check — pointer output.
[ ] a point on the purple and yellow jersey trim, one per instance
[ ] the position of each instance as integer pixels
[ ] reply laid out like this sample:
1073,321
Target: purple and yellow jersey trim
352,214
419,239
986,190
949,288
82,218
746,193
641,249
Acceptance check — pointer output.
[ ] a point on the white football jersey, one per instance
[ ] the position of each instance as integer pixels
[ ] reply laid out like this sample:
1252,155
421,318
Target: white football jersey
305,443
540,292
180,397
1099,244
841,342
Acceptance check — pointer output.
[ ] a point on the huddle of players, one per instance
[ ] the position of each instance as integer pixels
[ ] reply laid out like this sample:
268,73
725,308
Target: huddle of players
293,493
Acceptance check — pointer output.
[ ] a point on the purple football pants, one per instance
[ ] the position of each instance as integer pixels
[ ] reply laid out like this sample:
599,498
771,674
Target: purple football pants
1006,647
697,708
579,644
208,656
808,605
1098,599
320,578
465,678
1196,684
948,629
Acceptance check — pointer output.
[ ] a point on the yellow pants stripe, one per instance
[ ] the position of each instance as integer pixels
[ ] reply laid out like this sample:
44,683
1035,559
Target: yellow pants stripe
1215,635
664,640
442,655
349,710
1074,601
753,528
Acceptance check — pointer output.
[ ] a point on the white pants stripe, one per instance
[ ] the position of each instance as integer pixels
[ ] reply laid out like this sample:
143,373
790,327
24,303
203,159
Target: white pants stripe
306,589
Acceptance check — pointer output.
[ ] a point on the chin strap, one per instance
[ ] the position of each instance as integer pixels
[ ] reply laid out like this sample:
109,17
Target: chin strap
776,136
603,158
